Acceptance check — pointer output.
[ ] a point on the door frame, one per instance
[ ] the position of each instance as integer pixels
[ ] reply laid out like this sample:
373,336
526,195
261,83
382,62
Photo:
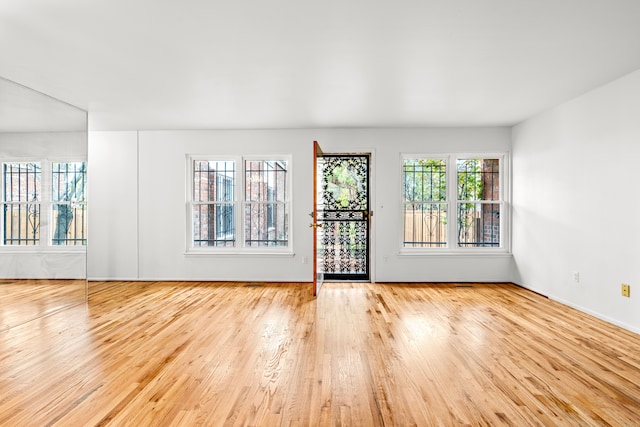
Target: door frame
318,275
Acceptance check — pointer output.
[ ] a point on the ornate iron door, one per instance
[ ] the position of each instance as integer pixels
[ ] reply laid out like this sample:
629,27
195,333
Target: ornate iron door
343,216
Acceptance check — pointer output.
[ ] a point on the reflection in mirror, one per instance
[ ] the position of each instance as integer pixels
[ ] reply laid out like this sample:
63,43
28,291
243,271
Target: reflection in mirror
43,220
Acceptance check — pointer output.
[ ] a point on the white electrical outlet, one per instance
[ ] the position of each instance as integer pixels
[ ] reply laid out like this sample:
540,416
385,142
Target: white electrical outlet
576,276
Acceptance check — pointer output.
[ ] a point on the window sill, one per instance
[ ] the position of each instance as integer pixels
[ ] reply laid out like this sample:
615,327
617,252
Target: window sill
239,253
42,250
471,253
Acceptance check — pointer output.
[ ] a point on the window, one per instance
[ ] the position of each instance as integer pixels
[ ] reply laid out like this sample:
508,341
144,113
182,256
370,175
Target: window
213,203
21,203
266,208
478,210
33,217
476,200
69,205
425,203
263,209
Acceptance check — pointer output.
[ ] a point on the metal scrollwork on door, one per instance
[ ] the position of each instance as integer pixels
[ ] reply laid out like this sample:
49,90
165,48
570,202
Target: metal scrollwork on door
344,209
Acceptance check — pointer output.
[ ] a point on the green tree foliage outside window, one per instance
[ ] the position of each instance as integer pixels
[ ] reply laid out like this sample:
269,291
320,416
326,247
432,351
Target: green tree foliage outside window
425,180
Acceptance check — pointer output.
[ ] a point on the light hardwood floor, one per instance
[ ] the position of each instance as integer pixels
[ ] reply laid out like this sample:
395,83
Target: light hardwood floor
178,353
22,300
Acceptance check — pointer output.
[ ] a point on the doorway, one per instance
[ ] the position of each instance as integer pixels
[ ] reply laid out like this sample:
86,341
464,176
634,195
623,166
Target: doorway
343,216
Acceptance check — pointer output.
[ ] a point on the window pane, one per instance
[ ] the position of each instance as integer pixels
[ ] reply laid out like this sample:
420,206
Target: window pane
266,224
478,179
425,225
22,182
478,224
213,209
22,187
266,217
265,181
68,185
21,224
425,180
213,181
69,224
69,181
213,225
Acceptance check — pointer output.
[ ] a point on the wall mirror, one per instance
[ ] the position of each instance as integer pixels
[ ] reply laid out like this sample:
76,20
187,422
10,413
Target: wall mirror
43,219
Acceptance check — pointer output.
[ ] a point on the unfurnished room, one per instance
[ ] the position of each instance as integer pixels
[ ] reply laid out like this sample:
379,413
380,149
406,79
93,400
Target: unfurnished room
342,213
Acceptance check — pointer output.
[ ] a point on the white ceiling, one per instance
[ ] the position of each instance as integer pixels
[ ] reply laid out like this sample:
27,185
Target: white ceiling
203,64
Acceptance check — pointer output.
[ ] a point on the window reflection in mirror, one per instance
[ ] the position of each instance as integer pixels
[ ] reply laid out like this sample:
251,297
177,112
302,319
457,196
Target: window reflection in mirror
43,218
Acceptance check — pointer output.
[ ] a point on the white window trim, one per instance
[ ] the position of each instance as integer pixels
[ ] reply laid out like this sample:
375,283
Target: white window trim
452,204
46,210
239,204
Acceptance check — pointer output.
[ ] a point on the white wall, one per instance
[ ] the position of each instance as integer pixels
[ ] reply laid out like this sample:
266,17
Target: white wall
575,202
143,235
112,246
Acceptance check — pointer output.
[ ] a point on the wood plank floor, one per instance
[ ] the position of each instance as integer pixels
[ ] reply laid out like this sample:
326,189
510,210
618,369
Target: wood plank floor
226,354
22,300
